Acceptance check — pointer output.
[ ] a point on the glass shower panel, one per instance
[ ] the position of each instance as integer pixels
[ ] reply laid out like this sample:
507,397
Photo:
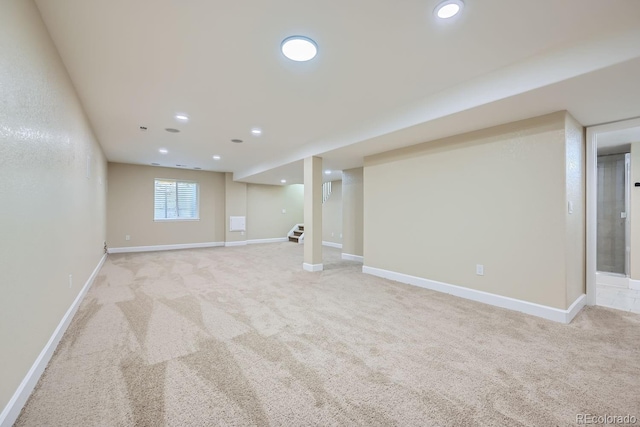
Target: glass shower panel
611,255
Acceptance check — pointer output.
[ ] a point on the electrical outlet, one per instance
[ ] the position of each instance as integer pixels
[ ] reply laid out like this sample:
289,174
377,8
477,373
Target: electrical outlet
70,281
127,237
480,269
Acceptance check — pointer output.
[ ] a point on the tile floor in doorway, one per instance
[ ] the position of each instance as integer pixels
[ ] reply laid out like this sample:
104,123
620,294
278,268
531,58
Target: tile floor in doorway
617,297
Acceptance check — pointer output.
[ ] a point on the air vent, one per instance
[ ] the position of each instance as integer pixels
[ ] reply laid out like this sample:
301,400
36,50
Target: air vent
155,164
237,141
172,130
143,128
197,169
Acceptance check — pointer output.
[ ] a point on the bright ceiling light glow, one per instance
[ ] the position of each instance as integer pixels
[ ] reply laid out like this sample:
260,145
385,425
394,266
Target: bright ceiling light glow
182,117
256,131
216,157
299,48
284,181
163,151
327,172
448,9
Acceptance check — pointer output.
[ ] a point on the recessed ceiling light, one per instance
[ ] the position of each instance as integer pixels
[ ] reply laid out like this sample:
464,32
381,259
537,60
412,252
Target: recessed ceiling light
172,130
237,141
163,151
448,9
284,181
182,117
299,48
216,157
155,164
256,131
327,172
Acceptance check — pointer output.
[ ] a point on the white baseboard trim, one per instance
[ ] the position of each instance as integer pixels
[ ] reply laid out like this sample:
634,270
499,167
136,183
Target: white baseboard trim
550,313
240,243
350,257
165,247
274,240
312,267
332,245
575,308
612,280
11,412
634,284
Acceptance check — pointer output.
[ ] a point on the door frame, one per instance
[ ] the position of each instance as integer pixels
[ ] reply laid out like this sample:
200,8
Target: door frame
591,167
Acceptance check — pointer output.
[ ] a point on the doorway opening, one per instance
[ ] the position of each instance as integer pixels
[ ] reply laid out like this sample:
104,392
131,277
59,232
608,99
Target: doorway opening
613,151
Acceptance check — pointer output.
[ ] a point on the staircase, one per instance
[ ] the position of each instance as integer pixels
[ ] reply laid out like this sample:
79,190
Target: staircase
296,234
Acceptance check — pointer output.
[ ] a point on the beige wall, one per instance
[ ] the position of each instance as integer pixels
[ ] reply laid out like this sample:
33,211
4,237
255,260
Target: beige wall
265,203
312,212
352,211
576,221
53,205
332,215
235,196
496,197
130,207
635,212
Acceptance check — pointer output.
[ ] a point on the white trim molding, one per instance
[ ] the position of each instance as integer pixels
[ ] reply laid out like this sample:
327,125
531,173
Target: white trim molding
312,267
11,412
546,312
332,245
592,197
164,247
612,280
350,257
273,240
240,243
634,284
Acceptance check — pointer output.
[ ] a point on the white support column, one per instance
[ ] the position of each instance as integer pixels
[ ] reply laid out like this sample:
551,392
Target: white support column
312,214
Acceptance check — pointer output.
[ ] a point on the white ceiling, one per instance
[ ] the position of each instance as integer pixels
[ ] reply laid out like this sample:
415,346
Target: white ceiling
388,74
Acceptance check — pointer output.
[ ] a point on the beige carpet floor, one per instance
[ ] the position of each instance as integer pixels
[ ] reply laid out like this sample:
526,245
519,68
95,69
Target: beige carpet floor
242,336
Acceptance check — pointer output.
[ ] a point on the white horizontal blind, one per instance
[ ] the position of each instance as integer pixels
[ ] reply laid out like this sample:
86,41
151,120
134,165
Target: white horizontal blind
175,199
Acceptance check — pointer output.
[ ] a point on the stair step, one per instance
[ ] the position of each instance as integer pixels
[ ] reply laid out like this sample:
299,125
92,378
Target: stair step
301,227
298,233
293,239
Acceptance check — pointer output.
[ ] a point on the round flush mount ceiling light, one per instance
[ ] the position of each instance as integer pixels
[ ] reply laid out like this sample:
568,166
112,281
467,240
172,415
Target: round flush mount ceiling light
299,48
284,181
181,117
448,9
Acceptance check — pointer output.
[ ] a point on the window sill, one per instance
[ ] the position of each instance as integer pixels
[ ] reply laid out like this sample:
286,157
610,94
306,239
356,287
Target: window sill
177,220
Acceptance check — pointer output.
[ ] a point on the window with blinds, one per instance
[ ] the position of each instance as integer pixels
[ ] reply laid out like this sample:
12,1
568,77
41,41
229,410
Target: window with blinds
175,200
